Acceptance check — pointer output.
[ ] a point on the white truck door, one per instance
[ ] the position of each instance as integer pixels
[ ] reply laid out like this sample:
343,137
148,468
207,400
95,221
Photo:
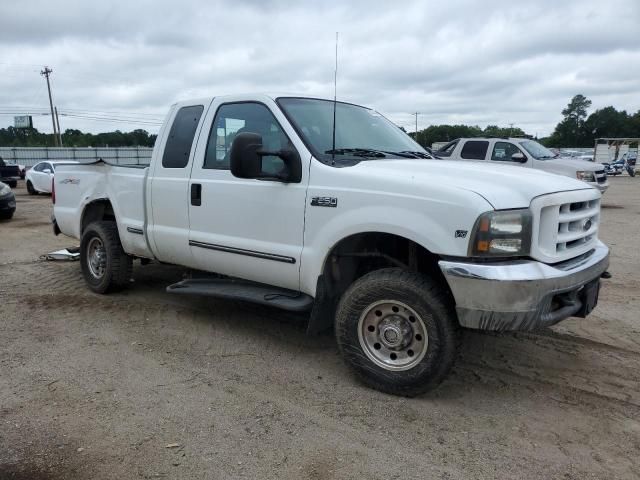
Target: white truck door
246,228
168,205
503,152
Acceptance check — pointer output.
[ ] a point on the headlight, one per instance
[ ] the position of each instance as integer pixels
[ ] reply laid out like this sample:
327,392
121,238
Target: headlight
586,176
502,233
4,189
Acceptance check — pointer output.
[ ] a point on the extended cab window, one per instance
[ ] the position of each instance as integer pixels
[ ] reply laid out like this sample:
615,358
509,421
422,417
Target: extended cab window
234,118
178,147
502,151
474,150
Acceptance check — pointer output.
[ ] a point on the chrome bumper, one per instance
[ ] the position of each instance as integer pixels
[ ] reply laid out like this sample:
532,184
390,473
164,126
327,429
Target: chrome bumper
523,295
601,186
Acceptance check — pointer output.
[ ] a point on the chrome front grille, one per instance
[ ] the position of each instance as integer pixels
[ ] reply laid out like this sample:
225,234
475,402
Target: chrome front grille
601,176
565,224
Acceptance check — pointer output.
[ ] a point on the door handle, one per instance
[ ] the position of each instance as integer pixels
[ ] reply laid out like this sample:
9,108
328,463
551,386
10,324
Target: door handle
196,194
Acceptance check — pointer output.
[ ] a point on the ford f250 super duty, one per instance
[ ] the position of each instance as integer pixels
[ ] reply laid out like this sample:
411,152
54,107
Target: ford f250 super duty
310,205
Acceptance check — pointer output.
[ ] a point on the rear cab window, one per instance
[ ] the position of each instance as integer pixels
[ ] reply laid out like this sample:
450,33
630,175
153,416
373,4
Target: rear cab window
475,150
180,139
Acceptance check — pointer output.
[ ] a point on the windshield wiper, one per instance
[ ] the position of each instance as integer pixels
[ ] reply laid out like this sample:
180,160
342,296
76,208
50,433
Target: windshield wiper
357,152
414,153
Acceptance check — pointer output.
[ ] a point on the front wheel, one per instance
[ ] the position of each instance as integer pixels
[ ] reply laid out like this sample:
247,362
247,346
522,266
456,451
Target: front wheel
105,265
30,189
398,331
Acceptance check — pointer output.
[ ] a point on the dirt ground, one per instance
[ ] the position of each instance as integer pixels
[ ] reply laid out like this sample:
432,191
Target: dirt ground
143,384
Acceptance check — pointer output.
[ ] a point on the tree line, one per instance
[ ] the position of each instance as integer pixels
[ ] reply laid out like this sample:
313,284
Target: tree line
31,137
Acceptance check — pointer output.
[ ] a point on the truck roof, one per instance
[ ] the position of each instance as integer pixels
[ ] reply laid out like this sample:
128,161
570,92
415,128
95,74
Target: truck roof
253,96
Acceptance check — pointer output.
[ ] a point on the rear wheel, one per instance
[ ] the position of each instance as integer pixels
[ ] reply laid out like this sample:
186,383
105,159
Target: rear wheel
13,184
398,331
30,189
105,265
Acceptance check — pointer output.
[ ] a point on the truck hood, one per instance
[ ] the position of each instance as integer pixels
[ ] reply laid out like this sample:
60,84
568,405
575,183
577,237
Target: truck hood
503,186
563,166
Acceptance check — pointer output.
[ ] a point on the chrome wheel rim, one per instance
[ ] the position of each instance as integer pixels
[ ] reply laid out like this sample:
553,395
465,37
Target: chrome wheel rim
96,257
392,335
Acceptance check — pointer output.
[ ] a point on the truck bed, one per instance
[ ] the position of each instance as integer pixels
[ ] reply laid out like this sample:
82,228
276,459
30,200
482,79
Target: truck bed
79,184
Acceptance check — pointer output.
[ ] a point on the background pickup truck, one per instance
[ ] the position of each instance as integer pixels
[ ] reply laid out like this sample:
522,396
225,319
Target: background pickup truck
526,153
350,220
9,174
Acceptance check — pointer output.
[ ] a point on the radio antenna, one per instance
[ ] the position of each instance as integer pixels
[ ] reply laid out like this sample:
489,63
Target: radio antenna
335,89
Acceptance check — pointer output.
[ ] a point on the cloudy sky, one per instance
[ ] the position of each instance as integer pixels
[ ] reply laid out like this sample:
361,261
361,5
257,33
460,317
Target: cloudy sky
121,64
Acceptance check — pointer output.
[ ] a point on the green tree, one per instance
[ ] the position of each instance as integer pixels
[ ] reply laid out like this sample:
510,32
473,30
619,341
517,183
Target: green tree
570,131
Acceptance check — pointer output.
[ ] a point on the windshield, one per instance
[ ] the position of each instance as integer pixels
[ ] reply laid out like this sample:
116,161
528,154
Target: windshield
360,131
537,151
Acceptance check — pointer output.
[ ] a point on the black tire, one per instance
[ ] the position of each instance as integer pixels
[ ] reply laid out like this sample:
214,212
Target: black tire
116,266
30,189
6,216
13,184
435,312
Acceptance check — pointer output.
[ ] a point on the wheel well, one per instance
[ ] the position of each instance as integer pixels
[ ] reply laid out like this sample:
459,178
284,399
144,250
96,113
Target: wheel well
96,211
359,254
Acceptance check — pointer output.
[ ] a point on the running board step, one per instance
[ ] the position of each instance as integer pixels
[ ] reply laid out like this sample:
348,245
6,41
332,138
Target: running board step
245,291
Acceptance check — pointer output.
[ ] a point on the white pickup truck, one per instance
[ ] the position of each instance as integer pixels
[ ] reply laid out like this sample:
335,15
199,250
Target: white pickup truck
525,153
349,219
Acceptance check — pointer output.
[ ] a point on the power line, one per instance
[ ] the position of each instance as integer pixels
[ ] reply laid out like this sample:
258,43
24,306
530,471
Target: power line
111,120
114,112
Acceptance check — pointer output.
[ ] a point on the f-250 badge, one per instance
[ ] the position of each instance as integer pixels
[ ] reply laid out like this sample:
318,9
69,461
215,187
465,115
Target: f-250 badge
324,202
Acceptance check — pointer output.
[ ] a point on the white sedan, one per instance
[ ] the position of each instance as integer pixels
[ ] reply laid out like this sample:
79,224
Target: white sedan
39,177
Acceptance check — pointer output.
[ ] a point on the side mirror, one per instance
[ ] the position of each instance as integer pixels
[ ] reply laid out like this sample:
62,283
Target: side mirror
519,157
47,170
246,160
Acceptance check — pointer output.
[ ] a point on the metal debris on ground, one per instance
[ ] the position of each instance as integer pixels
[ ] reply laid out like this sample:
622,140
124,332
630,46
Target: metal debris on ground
66,254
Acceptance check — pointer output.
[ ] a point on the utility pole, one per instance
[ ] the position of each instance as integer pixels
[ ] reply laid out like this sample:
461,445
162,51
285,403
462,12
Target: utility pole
46,72
510,129
58,124
416,114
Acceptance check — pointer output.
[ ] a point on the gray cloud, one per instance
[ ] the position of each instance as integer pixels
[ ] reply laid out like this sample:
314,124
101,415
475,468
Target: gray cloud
491,62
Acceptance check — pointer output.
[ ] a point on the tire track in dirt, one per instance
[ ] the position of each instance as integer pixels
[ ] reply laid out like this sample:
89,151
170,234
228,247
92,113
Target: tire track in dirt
575,367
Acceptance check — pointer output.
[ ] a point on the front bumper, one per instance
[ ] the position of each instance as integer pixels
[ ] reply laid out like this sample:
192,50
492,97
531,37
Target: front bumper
523,295
600,186
8,203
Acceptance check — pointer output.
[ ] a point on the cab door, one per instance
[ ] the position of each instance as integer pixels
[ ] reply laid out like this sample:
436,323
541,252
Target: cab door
503,152
168,184
247,228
